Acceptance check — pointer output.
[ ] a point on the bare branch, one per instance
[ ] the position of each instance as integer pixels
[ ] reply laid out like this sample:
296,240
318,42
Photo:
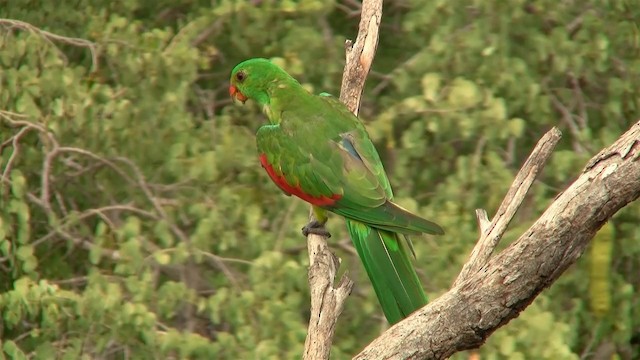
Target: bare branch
467,314
360,55
53,151
569,119
10,118
490,237
51,37
15,143
327,300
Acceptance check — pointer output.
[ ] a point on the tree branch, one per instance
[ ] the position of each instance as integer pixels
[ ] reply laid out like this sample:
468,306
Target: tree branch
360,55
51,37
491,233
465,316
327,300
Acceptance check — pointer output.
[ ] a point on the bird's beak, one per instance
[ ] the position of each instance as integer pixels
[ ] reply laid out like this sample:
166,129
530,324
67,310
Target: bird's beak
236,94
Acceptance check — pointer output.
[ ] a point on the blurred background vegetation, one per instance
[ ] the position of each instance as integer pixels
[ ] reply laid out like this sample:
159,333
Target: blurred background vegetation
136,222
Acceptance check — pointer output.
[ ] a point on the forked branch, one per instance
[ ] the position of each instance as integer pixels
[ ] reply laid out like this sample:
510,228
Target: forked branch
491,232
465,316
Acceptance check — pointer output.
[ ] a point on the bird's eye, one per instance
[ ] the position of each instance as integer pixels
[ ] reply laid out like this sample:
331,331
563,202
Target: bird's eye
240,76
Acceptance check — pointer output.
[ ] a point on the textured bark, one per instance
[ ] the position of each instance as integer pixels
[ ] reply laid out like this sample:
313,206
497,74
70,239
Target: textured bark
327,300
360,55
472,310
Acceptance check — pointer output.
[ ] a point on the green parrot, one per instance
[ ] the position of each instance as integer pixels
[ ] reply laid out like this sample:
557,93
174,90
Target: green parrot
316,149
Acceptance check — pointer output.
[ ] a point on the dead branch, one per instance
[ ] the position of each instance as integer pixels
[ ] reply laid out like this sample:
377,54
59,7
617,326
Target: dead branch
54,152
360,55
491,233
327,299
465,316
51,38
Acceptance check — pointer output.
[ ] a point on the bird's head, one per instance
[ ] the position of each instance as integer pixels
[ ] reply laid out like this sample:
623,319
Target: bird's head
253,78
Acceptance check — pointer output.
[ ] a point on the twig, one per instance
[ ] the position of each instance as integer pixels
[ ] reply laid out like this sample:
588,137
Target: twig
188,272
351,7
15,143
55,151
45,189
100,212
491,233
327,299
50,37
207,32
284,224
568,119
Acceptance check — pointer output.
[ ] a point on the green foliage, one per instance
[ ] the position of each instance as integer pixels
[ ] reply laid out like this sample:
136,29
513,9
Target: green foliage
537,333
599,276
136,222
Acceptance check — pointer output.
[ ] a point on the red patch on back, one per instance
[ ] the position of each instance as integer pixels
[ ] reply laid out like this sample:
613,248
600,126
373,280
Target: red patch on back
282,183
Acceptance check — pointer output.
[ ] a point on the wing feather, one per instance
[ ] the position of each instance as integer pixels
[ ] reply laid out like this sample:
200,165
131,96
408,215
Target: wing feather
338,159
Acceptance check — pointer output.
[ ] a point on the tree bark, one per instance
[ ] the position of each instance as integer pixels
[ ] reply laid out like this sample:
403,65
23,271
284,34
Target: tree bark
465,316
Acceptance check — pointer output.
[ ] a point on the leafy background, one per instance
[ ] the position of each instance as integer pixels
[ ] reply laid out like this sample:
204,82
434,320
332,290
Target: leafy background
136,223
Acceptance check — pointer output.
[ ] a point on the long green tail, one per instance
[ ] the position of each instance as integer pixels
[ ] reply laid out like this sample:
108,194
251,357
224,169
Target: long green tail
386,259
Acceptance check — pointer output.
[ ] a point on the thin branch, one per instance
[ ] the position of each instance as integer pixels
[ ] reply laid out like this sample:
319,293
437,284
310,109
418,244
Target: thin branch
568,119
327,299
360,55
491,235
15,143
53,151
207,32
51,37
465,316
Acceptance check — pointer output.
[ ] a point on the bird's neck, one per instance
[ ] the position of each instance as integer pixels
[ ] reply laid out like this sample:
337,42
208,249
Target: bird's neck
282,93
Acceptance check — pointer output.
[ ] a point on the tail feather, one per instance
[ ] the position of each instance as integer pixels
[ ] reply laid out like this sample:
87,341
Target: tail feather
385,258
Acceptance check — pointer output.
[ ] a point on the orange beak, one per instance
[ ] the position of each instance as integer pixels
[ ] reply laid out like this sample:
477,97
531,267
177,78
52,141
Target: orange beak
236,94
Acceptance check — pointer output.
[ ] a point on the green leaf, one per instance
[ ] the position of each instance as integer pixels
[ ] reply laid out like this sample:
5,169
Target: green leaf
3,233
162,258
516,127
26,105
10,348
95,254
58,107
24,252
431,86
5,247
464,94
18,184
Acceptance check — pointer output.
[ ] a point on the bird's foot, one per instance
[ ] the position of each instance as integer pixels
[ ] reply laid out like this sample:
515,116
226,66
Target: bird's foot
315,227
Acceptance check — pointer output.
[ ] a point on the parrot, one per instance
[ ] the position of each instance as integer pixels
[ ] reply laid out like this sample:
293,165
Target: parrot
314,148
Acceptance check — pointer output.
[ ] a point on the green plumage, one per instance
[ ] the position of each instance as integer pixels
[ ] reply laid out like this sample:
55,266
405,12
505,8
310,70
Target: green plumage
316,149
